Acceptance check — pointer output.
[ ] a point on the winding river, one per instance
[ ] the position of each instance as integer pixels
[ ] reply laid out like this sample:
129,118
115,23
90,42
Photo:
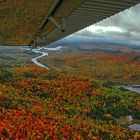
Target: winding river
42,51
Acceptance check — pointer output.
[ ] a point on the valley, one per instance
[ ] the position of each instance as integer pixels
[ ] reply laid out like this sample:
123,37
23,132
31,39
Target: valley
77,98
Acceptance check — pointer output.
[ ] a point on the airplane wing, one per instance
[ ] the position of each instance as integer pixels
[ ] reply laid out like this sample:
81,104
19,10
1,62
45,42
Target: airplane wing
24,22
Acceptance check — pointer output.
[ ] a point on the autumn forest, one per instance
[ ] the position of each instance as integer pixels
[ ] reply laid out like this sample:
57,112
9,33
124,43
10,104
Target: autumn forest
76,99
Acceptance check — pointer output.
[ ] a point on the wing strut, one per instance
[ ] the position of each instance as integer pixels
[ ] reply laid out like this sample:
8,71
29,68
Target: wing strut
59,26
50,14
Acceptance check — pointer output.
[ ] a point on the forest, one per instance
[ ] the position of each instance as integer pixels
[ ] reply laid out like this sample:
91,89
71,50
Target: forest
76,99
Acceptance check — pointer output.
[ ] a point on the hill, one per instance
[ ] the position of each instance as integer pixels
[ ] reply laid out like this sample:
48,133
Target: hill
76,99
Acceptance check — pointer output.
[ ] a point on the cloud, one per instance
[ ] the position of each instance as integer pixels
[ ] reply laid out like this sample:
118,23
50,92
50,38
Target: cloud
96,28
126,24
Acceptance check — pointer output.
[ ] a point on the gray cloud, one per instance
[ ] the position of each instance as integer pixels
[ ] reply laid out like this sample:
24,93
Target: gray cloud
127,21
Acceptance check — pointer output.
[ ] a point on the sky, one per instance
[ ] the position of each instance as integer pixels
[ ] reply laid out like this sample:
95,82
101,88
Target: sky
125,25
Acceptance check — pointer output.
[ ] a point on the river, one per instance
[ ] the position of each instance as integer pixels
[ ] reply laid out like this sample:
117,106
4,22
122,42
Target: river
42,51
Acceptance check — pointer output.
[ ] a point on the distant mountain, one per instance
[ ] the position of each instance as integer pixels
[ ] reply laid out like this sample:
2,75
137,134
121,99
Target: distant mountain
83,40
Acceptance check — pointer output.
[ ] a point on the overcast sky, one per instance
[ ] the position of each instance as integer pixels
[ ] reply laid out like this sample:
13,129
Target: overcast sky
123,25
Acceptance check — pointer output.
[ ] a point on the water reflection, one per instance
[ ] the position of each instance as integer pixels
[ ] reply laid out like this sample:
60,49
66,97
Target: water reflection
134,88
135,127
